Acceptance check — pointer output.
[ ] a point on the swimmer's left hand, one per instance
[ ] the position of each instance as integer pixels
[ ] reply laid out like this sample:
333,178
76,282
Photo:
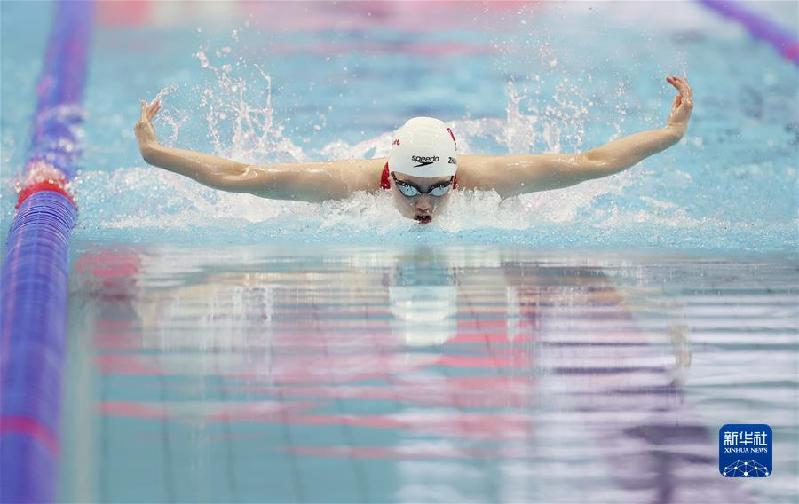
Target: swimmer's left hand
682,106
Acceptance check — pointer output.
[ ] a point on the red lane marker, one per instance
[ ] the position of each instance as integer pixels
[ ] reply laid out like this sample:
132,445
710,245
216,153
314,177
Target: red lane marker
30,427
125,13
132,409
42,176
45,185
114,364
520,361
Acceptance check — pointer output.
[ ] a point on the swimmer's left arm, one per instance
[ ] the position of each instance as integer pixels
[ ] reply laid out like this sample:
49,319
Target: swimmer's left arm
518,174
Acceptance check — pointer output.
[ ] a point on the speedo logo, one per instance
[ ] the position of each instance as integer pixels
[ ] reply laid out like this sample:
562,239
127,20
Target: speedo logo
424,160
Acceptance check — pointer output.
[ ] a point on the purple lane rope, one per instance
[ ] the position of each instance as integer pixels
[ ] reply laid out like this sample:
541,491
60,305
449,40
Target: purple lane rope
36,267
759,27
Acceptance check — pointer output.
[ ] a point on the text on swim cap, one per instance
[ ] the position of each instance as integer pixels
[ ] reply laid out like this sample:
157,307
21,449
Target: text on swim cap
424,160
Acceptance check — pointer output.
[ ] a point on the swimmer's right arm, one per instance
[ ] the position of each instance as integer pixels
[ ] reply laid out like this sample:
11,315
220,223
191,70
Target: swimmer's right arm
319,181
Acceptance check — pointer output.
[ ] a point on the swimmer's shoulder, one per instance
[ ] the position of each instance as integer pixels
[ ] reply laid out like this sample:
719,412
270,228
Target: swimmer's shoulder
474,170
359,174
313,180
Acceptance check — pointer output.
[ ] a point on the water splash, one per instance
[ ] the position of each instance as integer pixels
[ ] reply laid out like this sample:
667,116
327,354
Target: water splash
548,110
239,111
182,205
173,118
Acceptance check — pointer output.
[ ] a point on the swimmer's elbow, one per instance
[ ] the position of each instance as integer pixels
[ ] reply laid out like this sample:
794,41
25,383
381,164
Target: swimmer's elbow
264,182
595,164
284,182
238,177
149,153
236,184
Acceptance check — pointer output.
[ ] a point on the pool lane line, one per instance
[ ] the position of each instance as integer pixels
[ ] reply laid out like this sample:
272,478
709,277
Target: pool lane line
758,26
33,294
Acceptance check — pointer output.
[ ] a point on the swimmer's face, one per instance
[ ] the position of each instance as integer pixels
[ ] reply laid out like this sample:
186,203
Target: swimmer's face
424,206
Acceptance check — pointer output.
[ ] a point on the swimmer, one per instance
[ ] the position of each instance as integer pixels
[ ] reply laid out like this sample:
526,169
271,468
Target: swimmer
423,167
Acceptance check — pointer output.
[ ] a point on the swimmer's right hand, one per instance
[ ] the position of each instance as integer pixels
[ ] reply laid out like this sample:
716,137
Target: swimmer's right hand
145,132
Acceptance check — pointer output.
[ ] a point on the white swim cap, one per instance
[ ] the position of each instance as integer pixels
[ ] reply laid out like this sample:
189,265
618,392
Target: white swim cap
423,147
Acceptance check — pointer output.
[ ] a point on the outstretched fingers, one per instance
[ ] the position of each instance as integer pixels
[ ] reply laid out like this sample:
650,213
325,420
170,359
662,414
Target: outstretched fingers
682,105
148,110
684,90
143,114
154,108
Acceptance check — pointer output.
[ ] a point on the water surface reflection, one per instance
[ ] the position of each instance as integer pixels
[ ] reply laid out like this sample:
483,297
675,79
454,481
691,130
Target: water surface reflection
425,374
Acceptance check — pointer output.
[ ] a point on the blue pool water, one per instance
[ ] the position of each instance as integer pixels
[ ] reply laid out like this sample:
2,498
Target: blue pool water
318,81
421,374
580,344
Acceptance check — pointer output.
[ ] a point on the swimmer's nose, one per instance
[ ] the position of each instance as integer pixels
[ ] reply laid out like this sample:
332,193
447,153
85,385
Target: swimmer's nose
424,203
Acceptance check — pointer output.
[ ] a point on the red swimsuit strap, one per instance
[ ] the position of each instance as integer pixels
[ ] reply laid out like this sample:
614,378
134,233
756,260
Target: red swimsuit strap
385,179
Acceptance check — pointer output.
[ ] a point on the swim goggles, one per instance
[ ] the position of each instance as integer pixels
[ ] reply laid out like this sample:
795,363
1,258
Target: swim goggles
411,190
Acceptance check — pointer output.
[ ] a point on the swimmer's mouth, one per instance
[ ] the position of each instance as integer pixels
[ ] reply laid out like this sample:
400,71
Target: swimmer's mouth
423,219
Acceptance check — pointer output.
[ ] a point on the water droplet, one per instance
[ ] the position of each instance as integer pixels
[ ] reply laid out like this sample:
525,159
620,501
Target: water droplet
203,59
